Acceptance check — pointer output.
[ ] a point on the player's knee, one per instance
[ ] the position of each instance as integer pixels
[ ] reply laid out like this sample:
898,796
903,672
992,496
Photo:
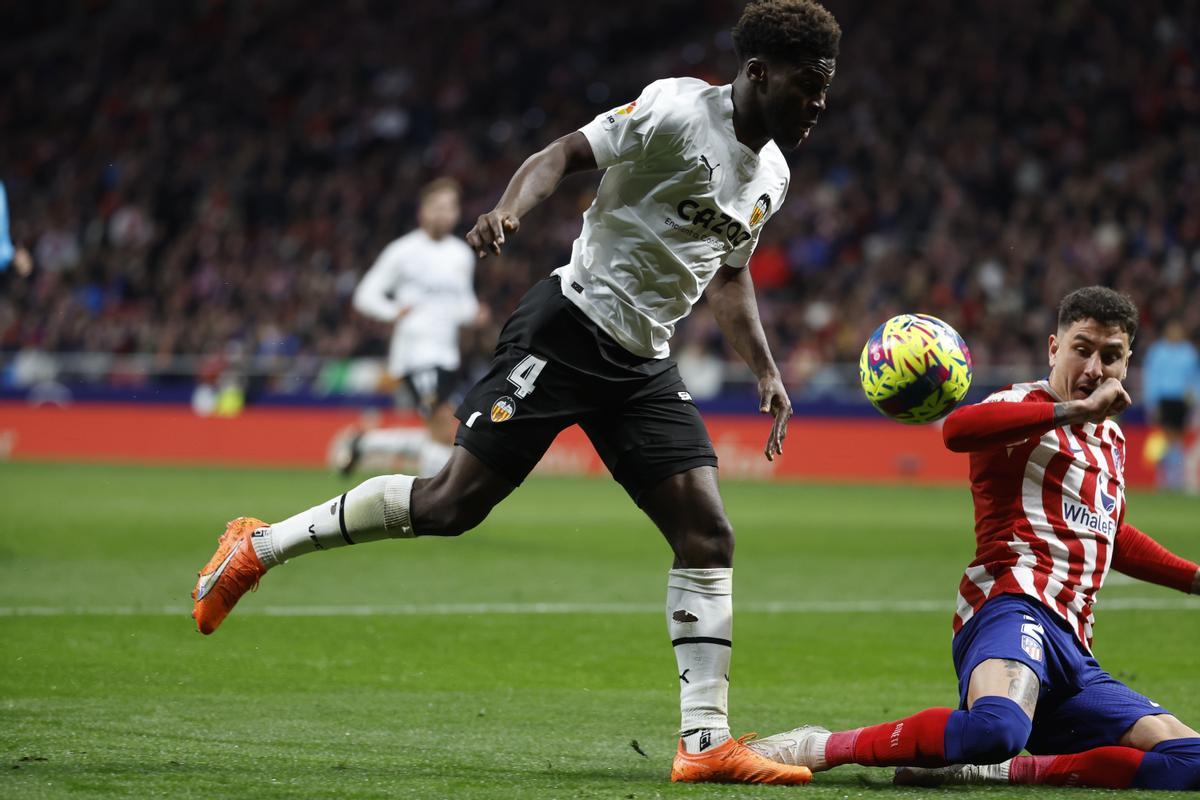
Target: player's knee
994,730
706,546
441,513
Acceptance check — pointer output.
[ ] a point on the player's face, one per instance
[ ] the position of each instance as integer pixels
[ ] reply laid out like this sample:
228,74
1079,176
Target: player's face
439,213
1084,354
795,97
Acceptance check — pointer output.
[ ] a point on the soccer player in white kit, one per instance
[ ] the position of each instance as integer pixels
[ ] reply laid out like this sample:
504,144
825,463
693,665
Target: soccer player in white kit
1048,481
692,173
423,284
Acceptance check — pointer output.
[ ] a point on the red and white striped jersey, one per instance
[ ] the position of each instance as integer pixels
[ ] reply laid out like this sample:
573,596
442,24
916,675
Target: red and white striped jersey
1047,513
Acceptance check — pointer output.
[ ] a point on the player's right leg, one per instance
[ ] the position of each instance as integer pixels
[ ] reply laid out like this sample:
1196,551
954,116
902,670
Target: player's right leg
992,730
386,507
999,694
509,418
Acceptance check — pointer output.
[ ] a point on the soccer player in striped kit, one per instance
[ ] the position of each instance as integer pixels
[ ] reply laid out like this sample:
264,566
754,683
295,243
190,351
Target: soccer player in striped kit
1047,475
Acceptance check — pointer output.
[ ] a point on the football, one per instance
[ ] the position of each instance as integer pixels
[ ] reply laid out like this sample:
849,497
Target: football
915,368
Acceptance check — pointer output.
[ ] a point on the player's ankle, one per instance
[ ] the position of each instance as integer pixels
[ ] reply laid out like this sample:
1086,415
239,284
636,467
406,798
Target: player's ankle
701,740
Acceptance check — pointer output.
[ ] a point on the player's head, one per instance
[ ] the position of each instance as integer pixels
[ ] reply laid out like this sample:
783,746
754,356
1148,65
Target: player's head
1094,340
787,50
438,209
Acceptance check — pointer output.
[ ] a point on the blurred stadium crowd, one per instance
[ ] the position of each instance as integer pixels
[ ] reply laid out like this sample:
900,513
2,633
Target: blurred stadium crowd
211,178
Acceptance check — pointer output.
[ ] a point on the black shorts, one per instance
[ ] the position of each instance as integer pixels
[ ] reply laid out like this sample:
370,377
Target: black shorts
1173,414
432,387
554,367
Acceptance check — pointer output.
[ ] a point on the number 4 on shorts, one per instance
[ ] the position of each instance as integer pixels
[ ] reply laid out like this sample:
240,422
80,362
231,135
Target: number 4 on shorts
525,374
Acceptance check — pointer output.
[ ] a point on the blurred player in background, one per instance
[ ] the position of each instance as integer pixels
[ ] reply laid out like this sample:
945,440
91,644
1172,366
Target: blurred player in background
1170,379
18,257
1047,476
692,173
422,282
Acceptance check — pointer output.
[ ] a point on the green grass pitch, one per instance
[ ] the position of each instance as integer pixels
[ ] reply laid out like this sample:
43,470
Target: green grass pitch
521,660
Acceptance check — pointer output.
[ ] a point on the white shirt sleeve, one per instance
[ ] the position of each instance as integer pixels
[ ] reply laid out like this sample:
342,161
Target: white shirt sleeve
627,132
371,296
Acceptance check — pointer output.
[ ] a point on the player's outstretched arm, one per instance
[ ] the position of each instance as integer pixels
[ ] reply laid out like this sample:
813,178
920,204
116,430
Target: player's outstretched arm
731,295
1138,556
533,182
987,426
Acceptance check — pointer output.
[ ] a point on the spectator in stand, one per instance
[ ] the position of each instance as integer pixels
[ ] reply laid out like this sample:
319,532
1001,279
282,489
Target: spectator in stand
201,162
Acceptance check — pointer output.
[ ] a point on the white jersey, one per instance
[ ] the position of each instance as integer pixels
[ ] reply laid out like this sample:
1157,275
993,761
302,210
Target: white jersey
434,280
681,196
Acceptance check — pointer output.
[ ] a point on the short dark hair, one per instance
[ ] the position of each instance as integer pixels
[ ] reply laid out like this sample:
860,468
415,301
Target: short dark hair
786,29
443,184
1102,304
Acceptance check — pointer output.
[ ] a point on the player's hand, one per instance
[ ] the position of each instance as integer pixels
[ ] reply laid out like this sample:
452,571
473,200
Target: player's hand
1108,399
1196,583
773,399
488,234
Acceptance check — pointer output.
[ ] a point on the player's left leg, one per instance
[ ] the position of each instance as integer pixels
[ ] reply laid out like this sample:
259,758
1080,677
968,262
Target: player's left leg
657,448
687,508
1168,757
1131,742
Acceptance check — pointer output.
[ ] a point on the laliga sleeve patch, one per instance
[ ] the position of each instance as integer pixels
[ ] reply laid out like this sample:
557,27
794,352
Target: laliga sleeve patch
610,120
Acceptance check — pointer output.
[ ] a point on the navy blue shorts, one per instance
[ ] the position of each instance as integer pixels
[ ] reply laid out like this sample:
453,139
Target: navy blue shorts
1080,706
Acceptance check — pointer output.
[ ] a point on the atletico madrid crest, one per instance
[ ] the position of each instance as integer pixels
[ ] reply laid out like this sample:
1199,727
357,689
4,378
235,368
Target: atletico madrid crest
503,409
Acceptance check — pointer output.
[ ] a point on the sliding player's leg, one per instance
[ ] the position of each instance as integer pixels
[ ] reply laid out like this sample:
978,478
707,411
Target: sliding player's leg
1100,734
1158,752
1109,736
999,689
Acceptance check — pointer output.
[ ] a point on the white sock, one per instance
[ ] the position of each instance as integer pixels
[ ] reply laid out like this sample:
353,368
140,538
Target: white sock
404,442
700,621
375,509
434,456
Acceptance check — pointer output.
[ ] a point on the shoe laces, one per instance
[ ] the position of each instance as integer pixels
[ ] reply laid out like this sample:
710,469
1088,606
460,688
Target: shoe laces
741,741
238,575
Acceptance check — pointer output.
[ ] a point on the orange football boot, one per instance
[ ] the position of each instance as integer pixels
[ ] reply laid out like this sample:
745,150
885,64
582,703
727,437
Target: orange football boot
232,571
734,762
